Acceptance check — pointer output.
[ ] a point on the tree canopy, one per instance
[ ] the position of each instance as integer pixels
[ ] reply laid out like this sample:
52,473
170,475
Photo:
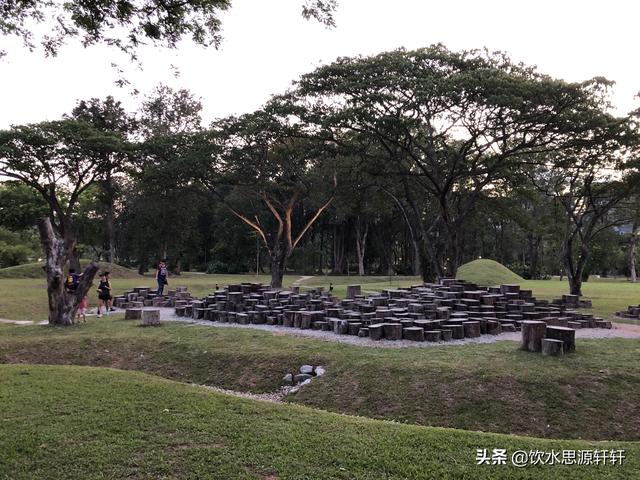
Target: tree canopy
125,24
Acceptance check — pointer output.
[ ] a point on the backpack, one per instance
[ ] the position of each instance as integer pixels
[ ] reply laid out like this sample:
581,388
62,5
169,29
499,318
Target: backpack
72,282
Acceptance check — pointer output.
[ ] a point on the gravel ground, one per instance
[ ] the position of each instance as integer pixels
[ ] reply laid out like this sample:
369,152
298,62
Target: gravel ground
619,331
273,397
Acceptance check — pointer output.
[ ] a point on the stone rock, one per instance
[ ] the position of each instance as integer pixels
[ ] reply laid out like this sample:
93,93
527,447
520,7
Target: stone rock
301,377
288,378
319,371
308,369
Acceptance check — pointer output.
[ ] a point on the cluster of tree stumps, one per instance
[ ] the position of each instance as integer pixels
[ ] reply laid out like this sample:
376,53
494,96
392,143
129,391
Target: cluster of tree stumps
572,301
435,312
138,301
631,313
537,336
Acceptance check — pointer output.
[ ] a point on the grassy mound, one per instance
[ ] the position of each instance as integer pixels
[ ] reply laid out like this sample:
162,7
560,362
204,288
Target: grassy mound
102,423
487,272
34,270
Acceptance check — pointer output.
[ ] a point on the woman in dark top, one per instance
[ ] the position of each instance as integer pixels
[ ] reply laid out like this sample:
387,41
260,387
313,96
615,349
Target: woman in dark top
104,294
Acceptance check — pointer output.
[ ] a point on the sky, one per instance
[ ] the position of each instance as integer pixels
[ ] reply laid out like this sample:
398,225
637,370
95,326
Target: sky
267,45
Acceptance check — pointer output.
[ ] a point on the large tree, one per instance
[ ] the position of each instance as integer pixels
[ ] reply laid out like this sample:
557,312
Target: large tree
263,157
108,116
449,124
167,119
592,184
60,160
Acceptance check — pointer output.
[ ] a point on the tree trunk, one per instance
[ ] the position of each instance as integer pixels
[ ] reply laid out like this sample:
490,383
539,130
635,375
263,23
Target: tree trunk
163,252
177,270
74,258
574,268
633,252
109,219
62,305
361,244
575,278
416,261
278,266
143,265
338,249
111,238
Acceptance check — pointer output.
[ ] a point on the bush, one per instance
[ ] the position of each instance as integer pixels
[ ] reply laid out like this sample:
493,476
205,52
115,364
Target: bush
12,255
218,267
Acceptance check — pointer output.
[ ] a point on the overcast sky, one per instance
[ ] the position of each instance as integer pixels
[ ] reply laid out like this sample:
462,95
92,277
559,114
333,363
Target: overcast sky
267,45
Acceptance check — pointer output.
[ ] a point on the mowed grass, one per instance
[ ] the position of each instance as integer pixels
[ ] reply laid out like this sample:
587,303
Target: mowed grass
591,394
487,272
26,298
75,422
35,270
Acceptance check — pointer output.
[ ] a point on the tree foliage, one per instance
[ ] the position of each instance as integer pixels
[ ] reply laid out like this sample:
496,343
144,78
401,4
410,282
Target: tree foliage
125,24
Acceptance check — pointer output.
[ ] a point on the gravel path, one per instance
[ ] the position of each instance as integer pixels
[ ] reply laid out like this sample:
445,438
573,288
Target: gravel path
619,331
273,397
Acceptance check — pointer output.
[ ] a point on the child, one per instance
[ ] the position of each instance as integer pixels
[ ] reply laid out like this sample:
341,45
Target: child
161,276
72,281
82,309
104,294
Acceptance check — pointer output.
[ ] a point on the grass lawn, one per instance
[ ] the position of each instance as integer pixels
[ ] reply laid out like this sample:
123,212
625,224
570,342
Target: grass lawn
63,420
591,394
75,422
26,298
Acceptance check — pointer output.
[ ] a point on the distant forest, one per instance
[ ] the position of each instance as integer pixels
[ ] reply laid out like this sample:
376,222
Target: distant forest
403,163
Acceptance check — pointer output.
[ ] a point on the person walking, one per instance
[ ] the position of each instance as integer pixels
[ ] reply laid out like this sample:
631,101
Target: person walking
110,302
161,276
104,294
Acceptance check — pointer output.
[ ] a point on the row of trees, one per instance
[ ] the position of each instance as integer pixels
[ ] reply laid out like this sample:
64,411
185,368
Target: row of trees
408,161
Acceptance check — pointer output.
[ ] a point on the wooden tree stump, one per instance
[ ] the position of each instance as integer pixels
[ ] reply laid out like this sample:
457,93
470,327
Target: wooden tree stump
415,334
376,331
471,329
353,290
354,328
494,327
305,320
297,319
393,331
133,314
446,335
180,311
567,335
341,327
533,331
287,320
150,318
457,331
363,332
432,335
552,347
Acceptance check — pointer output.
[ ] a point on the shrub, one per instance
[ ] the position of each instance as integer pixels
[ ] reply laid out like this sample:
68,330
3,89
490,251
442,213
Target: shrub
11,255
